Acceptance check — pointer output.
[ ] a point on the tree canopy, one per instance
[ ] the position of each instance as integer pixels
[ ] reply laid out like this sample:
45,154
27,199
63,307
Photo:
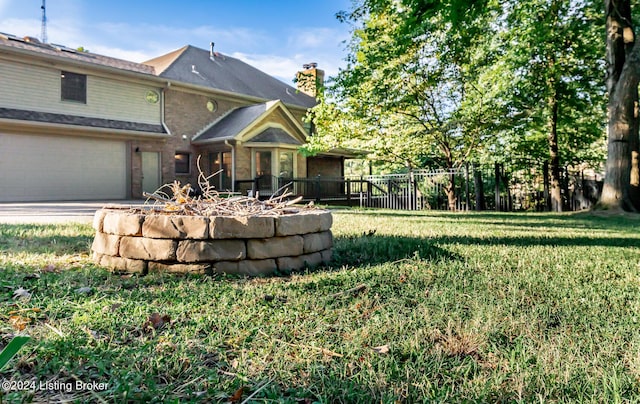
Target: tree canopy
441,83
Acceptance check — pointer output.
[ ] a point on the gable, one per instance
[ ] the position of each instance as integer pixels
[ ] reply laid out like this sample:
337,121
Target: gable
275,135
270,120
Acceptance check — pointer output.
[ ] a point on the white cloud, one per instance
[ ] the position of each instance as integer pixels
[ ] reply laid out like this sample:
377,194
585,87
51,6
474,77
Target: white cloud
21,27
283,68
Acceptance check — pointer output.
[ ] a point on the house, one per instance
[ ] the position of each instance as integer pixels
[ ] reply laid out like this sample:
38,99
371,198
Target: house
79,126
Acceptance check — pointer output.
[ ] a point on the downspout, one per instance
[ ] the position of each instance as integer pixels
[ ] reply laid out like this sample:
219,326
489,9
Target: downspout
233,165
162,107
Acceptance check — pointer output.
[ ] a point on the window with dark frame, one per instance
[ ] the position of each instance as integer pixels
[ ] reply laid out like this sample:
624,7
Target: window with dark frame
183,163
73,87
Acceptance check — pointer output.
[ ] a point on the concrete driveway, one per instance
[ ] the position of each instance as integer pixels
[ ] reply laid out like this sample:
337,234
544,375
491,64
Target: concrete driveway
56,212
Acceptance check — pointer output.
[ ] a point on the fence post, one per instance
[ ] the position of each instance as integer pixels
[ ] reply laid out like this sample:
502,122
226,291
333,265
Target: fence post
547,194
255,186
478,187
414,186
348,184
318,191
467,197
497,186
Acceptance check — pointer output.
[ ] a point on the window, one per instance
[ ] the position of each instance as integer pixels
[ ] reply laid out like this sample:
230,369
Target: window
286,165
73,87
263,163
183,163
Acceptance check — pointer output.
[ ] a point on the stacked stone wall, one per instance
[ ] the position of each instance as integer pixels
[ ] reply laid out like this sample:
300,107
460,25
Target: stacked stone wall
136,242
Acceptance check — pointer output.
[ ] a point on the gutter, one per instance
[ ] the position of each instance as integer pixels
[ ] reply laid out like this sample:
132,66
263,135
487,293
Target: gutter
35,127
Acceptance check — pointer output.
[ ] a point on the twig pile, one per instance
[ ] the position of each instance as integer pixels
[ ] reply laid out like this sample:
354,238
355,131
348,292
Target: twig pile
177,199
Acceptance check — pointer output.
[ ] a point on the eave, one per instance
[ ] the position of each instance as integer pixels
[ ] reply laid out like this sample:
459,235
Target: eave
40,128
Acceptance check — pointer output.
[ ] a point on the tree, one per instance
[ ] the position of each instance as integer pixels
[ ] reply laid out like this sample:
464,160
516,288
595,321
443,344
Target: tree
420,84
551,48
620,191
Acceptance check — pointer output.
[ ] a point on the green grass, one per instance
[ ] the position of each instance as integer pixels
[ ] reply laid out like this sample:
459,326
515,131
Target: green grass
472,308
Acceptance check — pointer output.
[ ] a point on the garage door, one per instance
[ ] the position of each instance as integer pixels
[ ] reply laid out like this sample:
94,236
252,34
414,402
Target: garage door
48,168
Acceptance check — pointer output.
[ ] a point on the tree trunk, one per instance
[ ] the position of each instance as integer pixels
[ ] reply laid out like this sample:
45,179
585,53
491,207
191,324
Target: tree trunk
617,190
623,74
554,156
450,191
545,179
478,185
634,145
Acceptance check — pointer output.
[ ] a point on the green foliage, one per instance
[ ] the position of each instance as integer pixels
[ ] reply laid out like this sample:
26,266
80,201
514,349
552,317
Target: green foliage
413,91
12,349
444,82
553,49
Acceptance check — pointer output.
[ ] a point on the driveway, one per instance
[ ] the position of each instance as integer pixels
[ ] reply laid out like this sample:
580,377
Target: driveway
56,212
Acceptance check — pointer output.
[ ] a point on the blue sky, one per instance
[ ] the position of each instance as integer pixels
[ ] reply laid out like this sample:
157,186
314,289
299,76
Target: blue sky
274,36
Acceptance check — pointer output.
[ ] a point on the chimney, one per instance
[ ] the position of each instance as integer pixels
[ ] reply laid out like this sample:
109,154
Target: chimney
310,80
211,52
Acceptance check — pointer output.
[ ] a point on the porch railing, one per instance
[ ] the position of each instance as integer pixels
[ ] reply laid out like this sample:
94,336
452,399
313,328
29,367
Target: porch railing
412,191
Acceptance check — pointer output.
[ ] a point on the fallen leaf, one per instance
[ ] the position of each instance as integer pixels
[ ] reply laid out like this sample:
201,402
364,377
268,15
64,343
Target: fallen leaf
237,396
87,290
31,276
156,321
19,323
115,306
382,349
92,334
33,309
21,293
50,268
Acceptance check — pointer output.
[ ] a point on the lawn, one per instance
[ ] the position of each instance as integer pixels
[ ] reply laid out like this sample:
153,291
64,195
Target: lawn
427,306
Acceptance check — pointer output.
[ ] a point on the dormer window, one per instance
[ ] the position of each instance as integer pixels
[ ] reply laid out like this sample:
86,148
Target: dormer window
73,87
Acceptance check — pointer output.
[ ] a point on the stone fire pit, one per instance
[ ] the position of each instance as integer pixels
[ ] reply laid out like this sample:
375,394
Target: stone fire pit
146,241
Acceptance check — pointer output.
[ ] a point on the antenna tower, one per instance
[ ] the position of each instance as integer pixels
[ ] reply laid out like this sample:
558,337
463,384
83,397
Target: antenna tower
43,34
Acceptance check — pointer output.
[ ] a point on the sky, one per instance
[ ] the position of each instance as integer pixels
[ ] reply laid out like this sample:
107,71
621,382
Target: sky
277,36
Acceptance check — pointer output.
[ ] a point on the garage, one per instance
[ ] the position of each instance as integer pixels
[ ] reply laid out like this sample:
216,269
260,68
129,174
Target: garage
58,168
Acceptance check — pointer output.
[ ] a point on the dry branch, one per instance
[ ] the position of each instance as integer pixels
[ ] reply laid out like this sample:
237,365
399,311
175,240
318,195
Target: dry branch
176,198
354,291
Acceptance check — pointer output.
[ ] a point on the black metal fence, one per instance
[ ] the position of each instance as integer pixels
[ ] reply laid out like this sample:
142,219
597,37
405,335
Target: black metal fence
474,188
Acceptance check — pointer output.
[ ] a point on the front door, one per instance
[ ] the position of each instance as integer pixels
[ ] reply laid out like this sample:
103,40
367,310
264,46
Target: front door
150,171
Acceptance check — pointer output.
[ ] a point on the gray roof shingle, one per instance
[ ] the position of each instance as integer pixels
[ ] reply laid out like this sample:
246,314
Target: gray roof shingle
232,123
195,66
275,135
15,42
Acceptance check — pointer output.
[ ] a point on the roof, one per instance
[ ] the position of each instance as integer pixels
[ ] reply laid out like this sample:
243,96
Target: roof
34,116
189,65
197,66
53,50
245,121
275,135
233,123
